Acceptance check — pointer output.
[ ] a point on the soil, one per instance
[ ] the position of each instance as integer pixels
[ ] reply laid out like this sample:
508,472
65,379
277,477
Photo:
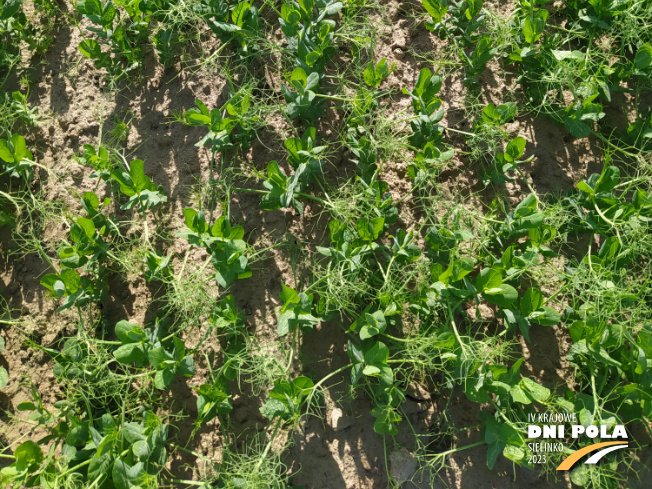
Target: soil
70,93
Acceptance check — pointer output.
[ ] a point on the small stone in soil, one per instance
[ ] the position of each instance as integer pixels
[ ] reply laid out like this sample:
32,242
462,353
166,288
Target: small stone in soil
418,391
403,465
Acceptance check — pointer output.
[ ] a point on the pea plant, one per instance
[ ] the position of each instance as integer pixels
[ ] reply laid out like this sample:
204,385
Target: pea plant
243,28
427,135
81,278
121,33
224,244
309,35
104,451
168,358
16,158
305,159
430,262
231,127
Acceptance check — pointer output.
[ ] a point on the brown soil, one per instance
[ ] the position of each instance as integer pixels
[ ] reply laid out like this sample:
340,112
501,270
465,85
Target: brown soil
70,92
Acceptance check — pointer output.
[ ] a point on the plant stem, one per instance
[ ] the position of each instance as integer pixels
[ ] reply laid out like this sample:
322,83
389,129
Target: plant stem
72,469
318,384
459,449
457,334
269,444
394,338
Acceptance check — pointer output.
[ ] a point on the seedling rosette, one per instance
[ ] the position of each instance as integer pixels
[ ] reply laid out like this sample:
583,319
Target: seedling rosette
138,187
223,242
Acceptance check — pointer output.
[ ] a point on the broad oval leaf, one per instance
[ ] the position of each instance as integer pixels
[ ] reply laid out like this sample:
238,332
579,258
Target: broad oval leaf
502,296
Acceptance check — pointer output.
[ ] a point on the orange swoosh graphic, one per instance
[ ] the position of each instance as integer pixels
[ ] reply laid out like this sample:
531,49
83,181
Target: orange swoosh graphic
570,461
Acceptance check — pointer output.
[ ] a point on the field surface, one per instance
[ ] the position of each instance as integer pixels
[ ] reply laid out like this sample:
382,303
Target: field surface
323,244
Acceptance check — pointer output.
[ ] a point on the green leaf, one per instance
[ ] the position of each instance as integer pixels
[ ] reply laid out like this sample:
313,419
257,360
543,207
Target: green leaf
373,76
6,154
519,395
370,75
457,271
133,432
28,453
495,116
186,366
129,333
534,390
356,373
20,148
140,449
609,248
514,453
474,7
129,353
304,385
87,226
488,278
190,216
387,419
526,207
386,375
333,8
299,79
584,187
534,25
163,379
497,435
78,433
289,296
475,391
436,8
371,370
643,58
283,324
608,179
580,475
515,149
577,128
502,296
423,81
378,353
599,353
563,55
577,330
99,467
157,356
137,174
531,301
370,229
273,408
125,476
382,70
376,324
496,445
354,353
239,13
49,280
545,316
90,48
179,350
